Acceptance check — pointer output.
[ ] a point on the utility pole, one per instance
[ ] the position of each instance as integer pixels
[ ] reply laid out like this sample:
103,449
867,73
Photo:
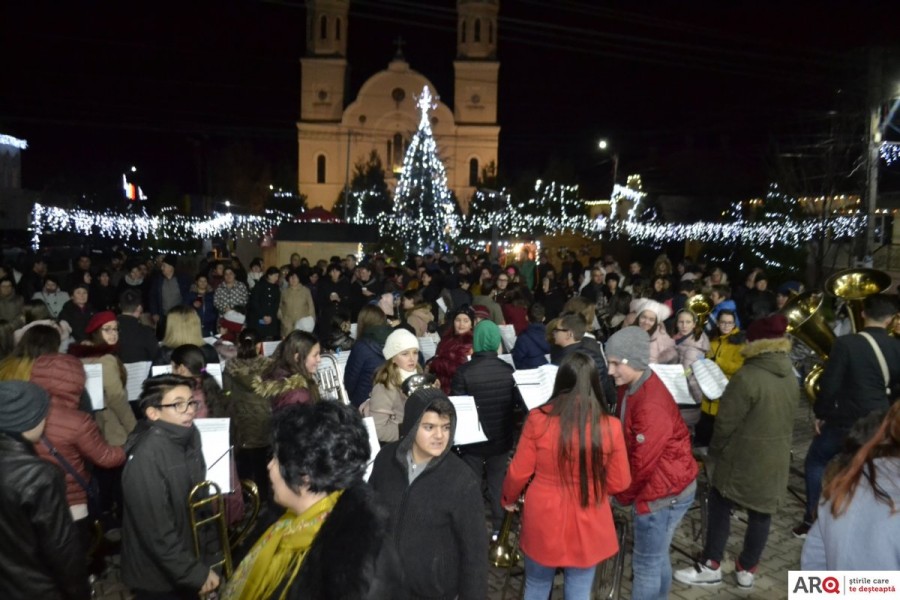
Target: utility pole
873,155
347,180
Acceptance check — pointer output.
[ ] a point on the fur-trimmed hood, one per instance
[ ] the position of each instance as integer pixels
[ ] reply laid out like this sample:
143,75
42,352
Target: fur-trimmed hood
272,388
247,369
764,346
85,350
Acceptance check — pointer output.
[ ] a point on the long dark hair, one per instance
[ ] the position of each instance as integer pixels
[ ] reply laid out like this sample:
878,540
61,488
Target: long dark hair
579,403
192,358
884,444
290,356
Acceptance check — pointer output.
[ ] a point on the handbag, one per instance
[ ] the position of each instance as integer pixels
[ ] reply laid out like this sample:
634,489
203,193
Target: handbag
92,488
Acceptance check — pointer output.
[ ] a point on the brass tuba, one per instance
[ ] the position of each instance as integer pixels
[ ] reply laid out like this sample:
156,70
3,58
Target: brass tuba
854,286
806,323
206,497
700,305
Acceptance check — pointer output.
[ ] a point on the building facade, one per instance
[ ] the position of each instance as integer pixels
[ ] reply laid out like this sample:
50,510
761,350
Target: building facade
334,132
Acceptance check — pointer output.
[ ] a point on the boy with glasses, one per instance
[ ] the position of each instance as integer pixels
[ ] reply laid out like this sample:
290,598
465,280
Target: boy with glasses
165,462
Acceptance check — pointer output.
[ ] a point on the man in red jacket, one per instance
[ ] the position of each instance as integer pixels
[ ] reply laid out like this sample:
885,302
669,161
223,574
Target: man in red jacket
663,469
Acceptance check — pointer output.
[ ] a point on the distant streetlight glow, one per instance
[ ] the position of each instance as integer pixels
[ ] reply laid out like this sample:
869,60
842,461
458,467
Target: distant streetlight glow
228,204
603,144
134,169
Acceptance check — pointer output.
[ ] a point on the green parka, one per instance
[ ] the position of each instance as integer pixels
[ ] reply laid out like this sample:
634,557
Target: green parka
751,443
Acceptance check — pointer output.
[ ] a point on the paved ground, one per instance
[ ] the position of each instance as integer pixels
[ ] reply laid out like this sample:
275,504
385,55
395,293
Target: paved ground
782,552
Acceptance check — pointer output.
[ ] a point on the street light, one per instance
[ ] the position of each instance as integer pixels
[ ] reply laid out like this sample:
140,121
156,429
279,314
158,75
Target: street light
604,145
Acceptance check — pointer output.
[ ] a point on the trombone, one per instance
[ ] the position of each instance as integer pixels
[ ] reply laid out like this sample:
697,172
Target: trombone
199,500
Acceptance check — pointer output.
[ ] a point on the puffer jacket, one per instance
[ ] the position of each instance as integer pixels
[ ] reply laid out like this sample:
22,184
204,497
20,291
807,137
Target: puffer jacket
116,420
751,443
250,412
40,556
72,432
658,442
490,381
662,348
365,358
532,347
453,351
725,351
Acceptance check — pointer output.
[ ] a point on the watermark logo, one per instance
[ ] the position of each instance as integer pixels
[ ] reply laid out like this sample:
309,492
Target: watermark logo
807,585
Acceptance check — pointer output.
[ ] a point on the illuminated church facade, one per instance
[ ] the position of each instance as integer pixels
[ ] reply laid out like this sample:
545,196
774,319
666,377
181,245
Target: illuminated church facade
334,132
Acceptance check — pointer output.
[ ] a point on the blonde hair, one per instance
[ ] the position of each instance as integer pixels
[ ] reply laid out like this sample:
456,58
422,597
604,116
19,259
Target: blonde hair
183,327
388,374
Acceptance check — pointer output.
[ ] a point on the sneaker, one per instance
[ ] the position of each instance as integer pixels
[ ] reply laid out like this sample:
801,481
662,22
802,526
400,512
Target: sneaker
744,578
801,530
705,573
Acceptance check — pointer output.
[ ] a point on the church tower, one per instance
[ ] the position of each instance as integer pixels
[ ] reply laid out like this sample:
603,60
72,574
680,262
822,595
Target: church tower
324,68
476,67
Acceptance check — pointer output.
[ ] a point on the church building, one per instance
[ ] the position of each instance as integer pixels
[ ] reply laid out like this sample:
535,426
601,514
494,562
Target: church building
336,132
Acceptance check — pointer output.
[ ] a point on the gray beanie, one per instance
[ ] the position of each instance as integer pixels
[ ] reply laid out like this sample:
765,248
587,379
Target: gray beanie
631,345
397,342
22,406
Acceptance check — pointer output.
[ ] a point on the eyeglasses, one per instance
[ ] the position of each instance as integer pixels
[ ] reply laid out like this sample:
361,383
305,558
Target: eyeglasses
181,406
558,330
502,280
109,329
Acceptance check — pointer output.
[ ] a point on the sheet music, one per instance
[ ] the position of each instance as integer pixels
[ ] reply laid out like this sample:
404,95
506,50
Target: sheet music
215,369
210,340
353,330
427,347
216,442
508,335
160,370
341,360
710,377
374,446
507,358
137,372
94,385
468,426
269,348
441,305
674,379
536,385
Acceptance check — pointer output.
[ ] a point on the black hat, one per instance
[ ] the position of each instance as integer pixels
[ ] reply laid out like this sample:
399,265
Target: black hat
171,260
22,406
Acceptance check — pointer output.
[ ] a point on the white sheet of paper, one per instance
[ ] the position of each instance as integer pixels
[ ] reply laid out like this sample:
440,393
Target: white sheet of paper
210,340
215,369
508,335
160,369
353,330
468,427
341,360
428,347
674,379
216,440
374,446
269,348
94,385
507,358
137,373
441,305
710,377
536,385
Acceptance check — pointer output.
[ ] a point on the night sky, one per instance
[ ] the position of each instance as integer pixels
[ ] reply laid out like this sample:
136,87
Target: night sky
695,96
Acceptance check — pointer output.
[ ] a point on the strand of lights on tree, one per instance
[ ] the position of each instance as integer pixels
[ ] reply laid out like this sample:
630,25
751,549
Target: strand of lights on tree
8,140
425,213
890,152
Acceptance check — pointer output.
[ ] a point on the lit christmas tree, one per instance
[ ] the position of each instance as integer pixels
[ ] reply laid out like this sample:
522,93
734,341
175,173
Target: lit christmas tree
425,214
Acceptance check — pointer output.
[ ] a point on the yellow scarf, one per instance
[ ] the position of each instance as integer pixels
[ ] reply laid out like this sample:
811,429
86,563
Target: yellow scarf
275,558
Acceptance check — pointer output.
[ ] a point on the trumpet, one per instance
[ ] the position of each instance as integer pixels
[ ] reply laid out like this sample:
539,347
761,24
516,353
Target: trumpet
502,554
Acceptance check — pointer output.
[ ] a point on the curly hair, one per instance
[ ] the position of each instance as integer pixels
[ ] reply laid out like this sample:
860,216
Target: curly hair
324,446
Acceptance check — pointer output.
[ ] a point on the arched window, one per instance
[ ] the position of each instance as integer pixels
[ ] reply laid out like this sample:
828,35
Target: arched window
490,32
337,28
463,32
397,156
473,171
477,37
323,28
320,168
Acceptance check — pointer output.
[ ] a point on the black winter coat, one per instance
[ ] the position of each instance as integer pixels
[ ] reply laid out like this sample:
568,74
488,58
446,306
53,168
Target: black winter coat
594,349
137,342
165,462
352,557
437,523
264,302
852,385
40,556
490,381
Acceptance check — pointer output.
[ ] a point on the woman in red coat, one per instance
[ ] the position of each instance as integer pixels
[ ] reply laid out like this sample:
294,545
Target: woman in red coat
455,347
576,453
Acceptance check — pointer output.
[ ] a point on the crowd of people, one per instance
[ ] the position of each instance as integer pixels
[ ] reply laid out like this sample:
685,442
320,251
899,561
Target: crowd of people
610,437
